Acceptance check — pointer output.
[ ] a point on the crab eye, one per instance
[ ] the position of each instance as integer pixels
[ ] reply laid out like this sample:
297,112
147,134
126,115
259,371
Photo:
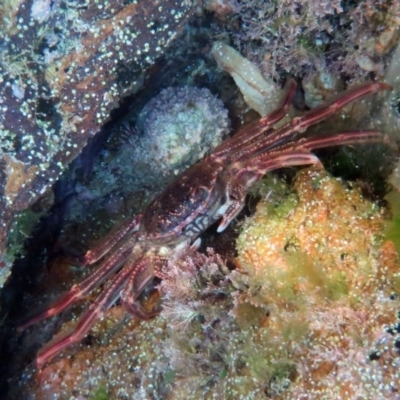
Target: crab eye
200,191
199,194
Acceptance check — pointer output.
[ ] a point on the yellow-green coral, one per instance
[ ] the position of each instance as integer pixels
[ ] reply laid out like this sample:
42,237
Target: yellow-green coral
393,227
328,277
321,236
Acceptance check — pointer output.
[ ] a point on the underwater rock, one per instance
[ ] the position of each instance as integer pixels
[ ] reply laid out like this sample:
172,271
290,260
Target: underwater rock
332,230
394,178
62,70
388,38
393,198
310,311
220,7
391,108
124,359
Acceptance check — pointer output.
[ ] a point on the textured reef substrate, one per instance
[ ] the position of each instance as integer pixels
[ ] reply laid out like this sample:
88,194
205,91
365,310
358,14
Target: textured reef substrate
307,306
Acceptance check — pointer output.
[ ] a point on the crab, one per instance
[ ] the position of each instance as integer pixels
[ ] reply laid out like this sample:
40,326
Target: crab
212,190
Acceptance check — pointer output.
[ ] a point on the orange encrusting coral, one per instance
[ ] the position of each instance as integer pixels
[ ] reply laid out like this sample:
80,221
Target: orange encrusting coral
333,231
325,272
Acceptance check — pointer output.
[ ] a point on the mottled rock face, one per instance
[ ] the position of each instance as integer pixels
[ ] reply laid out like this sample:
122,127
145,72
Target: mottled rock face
62,70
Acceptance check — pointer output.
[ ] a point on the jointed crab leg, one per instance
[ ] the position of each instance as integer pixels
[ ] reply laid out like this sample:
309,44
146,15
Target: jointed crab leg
298,153
130,226
294,153
109,266
142,275
298,125
341,139
86,321
318,114
252,173
313,143
251,132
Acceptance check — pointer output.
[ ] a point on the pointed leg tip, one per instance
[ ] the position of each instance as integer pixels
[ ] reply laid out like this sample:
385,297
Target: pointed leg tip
385,86
39,364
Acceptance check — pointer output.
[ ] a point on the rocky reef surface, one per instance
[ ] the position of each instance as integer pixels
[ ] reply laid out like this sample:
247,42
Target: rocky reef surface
299,298
310,311
63,67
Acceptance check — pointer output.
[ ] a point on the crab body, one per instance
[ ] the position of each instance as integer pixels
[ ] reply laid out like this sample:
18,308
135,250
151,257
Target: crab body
212,190
187,207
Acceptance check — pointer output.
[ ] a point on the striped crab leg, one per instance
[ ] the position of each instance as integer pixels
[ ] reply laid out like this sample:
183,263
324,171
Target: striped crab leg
252,131
298,125
131,225
78,291
105,300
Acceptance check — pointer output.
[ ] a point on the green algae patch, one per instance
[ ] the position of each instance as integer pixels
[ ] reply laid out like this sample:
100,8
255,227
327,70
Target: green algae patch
100,394
21,229
392,231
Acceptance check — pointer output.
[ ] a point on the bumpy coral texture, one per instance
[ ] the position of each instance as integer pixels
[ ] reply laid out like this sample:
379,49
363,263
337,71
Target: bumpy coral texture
179,126
320,263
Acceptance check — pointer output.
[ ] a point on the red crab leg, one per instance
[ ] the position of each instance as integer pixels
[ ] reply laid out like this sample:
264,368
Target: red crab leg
286,155
294,153
86,321
81,289
341,139
300,124
142,275
249,175
130,226
252,131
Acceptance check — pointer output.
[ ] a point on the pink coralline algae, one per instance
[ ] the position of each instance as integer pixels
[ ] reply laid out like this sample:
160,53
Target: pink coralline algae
303,38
